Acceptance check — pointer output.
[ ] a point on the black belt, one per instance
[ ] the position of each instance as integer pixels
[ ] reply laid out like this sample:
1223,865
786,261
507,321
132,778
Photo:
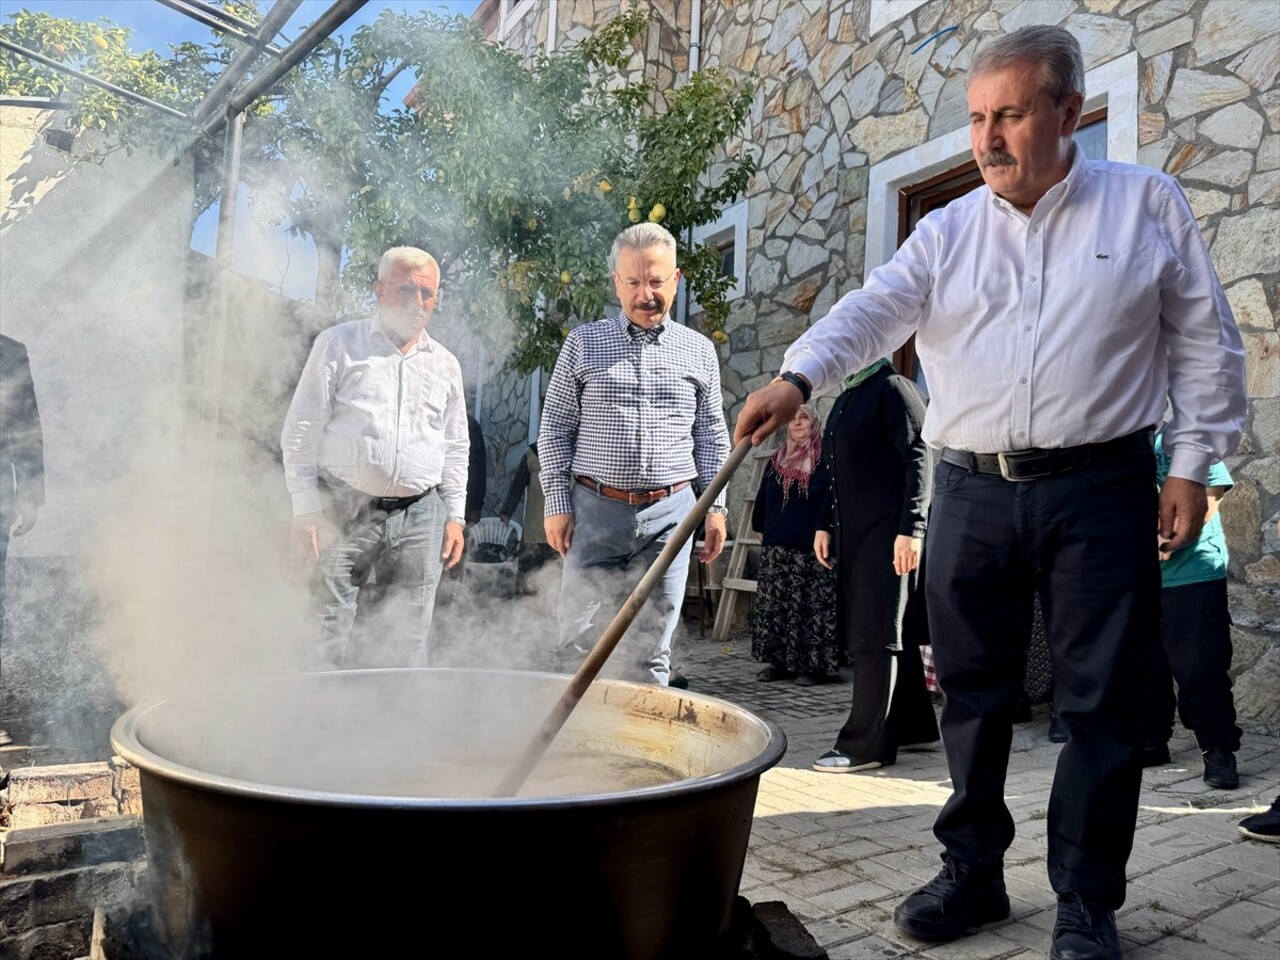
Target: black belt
636,498
392,504
1037,464
352,496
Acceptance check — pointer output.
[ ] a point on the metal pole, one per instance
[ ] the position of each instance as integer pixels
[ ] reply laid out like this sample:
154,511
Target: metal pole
105,85
272,24
220,316
219,12
297,51
220,20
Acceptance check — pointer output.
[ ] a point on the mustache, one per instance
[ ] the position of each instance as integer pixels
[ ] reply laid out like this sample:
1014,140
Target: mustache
998,158
653,303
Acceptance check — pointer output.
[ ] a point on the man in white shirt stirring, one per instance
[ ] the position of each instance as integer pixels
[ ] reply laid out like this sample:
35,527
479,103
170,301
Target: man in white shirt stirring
375,451
1055,312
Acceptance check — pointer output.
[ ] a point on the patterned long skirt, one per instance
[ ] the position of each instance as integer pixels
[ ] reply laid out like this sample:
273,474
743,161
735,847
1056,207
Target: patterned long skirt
793,620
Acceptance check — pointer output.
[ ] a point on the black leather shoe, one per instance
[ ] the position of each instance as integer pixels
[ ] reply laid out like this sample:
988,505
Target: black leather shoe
1220,769
954,901
1057,729
1263,826
1084,931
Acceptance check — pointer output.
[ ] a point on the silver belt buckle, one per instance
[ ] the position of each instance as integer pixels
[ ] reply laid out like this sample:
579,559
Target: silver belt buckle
1004,467
1021,456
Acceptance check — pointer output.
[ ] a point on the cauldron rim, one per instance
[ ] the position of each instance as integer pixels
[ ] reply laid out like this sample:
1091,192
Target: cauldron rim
126,743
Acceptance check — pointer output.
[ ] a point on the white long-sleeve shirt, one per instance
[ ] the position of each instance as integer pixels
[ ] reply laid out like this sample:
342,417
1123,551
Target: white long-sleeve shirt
1073,325
386,423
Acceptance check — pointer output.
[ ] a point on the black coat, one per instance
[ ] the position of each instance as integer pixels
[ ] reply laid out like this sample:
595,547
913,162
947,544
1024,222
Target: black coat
881,480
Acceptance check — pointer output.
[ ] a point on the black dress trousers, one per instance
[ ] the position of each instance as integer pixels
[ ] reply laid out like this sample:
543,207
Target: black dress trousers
1086,541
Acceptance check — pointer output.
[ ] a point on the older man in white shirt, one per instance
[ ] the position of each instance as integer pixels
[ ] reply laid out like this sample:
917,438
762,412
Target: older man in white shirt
1056,312
375,450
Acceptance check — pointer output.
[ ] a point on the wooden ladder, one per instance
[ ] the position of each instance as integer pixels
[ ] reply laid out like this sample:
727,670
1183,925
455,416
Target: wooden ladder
735,582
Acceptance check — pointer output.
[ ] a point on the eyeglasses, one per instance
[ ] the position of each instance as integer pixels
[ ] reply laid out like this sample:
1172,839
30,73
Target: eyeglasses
655,283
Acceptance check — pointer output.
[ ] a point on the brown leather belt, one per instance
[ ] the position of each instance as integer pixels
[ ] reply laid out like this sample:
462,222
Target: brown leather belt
636,498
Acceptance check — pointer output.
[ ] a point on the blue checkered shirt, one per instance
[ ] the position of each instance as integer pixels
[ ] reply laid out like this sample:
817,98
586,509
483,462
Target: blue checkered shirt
632,408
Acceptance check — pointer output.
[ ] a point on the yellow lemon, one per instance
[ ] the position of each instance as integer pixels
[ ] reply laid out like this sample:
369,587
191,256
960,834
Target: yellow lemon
100,42
533,223
633,215
719,336
657,213
565,277
633,203
605,186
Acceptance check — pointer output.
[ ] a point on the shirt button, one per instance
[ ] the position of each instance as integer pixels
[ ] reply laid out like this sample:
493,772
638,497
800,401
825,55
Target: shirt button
1026,329
1032,278
1022,380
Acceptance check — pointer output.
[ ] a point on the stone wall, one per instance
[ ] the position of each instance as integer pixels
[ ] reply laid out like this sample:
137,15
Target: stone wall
845,86
72,851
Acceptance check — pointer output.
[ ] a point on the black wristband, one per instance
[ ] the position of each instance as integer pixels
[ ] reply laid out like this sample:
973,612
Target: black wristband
799,383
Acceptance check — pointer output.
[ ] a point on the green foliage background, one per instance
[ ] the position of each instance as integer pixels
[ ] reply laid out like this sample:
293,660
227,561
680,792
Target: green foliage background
516,175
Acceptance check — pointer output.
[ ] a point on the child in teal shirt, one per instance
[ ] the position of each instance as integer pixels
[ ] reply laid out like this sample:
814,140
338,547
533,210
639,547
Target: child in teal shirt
1195,645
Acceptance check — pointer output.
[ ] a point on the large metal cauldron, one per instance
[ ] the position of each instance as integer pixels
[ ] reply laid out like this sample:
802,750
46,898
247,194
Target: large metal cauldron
349,815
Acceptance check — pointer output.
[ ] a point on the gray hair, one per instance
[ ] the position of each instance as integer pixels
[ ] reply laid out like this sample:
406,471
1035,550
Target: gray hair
1054,50
641,236
408,255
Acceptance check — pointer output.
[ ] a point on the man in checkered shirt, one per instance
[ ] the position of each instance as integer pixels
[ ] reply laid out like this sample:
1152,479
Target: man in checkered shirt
632,429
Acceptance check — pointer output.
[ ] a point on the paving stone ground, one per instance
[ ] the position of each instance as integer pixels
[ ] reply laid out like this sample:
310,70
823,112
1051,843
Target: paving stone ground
842,850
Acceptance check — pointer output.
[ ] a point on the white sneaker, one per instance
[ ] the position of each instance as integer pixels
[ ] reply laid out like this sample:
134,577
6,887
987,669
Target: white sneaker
833,761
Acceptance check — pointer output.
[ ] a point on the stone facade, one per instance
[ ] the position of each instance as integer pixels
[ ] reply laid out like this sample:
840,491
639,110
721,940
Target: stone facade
846,87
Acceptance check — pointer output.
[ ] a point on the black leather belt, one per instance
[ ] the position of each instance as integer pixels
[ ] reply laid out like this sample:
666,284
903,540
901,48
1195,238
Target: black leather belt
636,498
358,499
1038,464
392,504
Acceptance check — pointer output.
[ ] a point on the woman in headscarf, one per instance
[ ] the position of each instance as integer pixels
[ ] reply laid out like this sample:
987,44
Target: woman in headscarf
875,524
793,620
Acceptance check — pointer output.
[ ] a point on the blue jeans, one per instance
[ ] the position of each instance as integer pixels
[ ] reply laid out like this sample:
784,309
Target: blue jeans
376,586
614,545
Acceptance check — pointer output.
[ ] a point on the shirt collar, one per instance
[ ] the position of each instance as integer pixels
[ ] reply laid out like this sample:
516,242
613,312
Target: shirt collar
1055,194
636,332
424,341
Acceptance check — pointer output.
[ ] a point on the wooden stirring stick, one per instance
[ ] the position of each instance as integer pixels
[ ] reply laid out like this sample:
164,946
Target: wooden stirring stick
595,660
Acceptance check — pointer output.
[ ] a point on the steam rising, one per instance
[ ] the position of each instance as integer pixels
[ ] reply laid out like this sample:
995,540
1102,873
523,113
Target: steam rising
161,562
170,539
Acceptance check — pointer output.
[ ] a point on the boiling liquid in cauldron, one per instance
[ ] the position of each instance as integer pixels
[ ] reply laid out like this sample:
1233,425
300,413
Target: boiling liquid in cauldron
556,775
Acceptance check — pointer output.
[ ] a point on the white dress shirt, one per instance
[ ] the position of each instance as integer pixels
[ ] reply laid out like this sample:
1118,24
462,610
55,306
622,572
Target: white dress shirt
386,423
1076,324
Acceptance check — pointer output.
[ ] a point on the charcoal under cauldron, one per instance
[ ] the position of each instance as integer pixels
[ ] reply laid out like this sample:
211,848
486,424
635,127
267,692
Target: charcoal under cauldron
350,814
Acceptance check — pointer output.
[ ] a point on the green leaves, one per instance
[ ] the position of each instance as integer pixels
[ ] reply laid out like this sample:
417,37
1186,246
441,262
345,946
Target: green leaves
514,172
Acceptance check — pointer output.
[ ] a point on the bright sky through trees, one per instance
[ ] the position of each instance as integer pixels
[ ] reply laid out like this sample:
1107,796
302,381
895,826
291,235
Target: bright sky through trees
155,26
